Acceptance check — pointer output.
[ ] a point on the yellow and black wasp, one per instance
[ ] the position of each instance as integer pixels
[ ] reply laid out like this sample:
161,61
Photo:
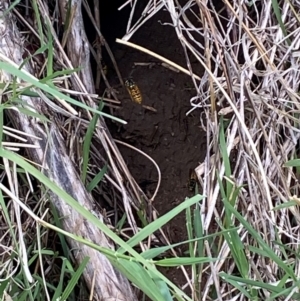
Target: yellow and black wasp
104,67
193,180
134,91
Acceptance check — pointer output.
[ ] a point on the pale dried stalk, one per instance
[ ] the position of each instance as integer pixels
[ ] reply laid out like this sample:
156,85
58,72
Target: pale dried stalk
264,111
52,155
78,51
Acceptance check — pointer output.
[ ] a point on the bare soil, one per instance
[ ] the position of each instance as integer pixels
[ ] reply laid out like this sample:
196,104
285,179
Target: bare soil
175,141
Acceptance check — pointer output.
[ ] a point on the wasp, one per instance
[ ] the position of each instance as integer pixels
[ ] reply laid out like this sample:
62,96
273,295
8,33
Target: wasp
134,91
192,180
104,67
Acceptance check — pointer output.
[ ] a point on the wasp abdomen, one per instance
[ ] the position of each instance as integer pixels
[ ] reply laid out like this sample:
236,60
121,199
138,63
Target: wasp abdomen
192,180
134,91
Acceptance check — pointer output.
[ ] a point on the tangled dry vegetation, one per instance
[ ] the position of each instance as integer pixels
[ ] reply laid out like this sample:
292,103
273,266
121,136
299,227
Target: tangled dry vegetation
251,60
248,103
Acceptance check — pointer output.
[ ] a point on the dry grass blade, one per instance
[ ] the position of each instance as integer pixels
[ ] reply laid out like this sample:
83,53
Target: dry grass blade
248,105
50,152
251,79
158,57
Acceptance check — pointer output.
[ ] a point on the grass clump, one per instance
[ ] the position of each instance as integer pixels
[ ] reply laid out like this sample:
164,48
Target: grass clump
242,241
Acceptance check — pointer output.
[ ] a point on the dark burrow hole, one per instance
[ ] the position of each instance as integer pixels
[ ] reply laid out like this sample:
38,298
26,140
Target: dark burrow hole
175,141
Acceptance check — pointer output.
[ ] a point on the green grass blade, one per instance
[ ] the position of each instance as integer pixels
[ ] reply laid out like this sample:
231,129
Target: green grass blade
3,286
59,288
276,9
238,281
30,113
38,21
285,205
1,125
74,280
48,79
235,283
292,163
225,156
270,253
162,287
62,238
177,261
11,7
95,221
30,79
161,221
50,50
152,253
190,231
285,291
237,251
87,142
198,229
97,179
138,275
